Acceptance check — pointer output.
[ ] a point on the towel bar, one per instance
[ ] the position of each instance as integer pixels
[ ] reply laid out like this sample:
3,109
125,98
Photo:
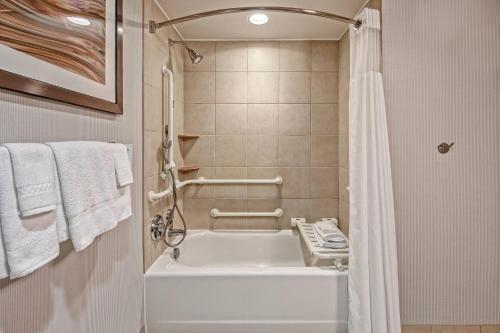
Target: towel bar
217,213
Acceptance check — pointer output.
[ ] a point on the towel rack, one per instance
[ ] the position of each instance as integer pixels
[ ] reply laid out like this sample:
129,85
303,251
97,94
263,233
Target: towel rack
201,181
278,212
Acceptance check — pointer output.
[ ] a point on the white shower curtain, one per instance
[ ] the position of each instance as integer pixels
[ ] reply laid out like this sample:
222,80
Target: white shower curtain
373,274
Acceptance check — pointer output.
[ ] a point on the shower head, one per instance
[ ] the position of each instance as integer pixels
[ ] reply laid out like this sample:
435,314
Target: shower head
194,55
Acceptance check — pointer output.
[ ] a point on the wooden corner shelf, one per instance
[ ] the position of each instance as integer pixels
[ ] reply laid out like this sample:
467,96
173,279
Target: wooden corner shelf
188,136
187,169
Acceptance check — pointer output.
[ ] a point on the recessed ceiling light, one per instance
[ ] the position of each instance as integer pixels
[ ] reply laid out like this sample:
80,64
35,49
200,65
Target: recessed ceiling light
78,20
258,19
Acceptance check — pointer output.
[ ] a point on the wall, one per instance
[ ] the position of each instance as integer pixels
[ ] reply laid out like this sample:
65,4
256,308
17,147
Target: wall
100,288
156,55
442,84
262,109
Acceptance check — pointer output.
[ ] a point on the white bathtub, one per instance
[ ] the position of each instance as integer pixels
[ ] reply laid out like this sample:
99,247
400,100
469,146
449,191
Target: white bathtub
243,282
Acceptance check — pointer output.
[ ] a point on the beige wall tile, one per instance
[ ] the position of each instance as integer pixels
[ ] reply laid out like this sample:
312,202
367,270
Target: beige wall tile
199,119
262,150
343,115
157,59
324,183
152,156
231,87
263,190
294,150
263,205
295,87
263,56
324,87
199,87
294,119
156,184
230,205
295,208
490,329
344,217
416,329
262,119
152,109
231,119
230,150
200,152
263,87
231,56
324,119
455,329
343,184
231,190
343,151
197,212
295,56
199,191
324,208
296,183
207,50
325,55
324,150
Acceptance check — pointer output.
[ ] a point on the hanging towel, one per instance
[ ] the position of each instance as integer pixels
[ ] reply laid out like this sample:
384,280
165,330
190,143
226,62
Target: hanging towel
33,177
62,223
122,165
93,203
29,242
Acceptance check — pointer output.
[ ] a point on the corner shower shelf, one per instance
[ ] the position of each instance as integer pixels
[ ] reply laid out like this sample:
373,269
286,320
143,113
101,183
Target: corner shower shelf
188,169
310,238
188,136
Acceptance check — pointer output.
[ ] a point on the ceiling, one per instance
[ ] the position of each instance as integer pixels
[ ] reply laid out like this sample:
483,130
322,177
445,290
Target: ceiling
280,25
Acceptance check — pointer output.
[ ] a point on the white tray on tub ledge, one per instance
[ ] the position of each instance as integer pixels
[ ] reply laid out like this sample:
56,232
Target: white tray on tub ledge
310,238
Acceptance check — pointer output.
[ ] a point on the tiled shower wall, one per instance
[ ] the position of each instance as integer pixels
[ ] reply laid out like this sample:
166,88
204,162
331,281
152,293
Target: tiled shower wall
156,55
262,109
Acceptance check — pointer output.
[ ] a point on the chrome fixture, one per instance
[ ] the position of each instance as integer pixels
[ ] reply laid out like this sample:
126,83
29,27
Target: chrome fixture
153,26
195,56
444,147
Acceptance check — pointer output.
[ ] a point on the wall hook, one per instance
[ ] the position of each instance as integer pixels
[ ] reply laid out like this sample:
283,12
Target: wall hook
443,148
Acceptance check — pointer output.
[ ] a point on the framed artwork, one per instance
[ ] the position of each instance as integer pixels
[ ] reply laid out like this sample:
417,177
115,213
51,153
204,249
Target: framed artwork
65,50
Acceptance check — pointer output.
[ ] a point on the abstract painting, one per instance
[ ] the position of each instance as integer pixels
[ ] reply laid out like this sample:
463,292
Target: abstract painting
68,50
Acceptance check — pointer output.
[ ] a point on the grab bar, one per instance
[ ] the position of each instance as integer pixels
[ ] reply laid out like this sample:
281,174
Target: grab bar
201,181
217,213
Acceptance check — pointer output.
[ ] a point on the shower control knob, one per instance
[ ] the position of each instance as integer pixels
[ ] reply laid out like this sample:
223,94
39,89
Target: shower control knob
158,228
443,148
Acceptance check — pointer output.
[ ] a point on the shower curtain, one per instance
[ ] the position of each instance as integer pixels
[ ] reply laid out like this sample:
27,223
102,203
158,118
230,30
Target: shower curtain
373,274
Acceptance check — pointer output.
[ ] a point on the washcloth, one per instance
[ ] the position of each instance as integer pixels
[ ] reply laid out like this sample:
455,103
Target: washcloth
93,202
29,242
32,165
328,231
122,165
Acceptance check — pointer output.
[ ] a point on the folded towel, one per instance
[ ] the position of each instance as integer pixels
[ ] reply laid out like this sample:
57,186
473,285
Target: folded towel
29,242
32,165
122,165
92,201
4,267
329,234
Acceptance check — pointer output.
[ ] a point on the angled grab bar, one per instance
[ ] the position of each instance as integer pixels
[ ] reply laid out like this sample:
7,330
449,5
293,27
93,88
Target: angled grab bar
201,181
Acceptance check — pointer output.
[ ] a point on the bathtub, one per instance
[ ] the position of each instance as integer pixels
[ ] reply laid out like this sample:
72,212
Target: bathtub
243,282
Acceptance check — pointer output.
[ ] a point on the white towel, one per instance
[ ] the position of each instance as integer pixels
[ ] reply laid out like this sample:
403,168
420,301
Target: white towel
329,235
93,202
29,242
122,165
32,165
62,223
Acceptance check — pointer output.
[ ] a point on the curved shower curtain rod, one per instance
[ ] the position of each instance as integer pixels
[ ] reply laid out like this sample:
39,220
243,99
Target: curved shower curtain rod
153,26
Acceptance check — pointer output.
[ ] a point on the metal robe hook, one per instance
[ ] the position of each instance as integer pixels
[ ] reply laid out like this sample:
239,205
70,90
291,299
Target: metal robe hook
443,148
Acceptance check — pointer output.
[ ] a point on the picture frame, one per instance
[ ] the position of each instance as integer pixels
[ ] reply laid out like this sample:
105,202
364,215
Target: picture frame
71,57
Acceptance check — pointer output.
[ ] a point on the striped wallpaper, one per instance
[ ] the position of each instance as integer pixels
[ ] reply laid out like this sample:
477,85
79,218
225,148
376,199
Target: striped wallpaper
441,63
100,288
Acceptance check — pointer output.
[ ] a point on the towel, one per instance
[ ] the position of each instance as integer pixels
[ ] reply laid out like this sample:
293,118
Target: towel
29,242
122,165
93,202
33,177
62,223
329,235
4,267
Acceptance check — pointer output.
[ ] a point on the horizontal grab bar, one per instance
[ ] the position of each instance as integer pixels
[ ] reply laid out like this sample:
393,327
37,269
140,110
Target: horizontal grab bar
217,213
201,181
